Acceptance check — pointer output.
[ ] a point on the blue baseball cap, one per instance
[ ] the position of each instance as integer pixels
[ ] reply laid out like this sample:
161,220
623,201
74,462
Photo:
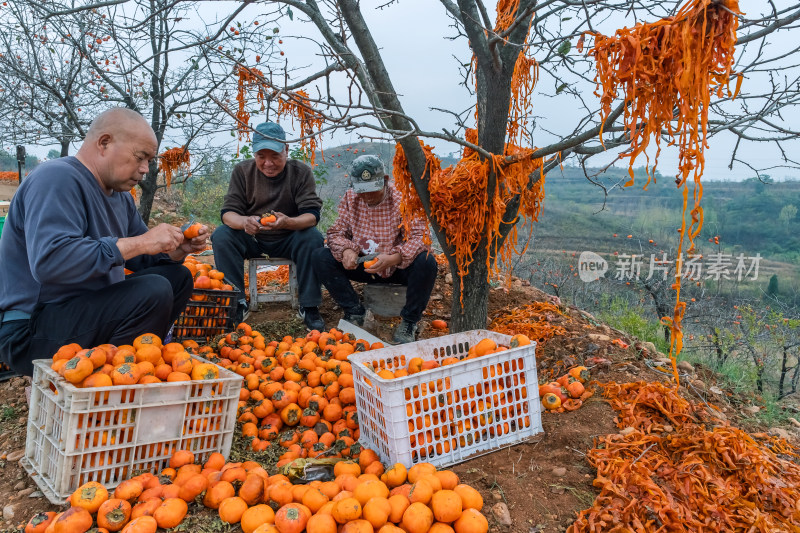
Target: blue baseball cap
269,136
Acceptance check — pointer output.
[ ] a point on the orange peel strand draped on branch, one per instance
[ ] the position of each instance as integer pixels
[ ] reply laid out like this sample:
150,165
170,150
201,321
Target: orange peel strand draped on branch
676,63
698,475
460,202
523,80
506,13
172,160
248,78
295,105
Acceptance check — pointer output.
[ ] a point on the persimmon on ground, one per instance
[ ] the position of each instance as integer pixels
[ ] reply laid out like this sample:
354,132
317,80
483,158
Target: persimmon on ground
355,500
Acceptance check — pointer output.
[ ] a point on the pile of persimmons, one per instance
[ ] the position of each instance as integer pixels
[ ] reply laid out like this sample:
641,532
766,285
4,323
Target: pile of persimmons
297,392
419,500
205,276
144,361
568,392
417,364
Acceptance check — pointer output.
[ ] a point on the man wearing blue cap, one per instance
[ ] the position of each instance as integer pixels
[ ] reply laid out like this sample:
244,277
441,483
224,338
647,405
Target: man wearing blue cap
270,182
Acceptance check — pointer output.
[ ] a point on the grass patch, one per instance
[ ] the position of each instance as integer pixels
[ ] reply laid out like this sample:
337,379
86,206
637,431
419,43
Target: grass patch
619,314
276,330
200,519
8,413
740,377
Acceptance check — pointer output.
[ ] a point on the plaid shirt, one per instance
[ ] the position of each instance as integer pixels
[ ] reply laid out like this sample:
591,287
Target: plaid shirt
375,229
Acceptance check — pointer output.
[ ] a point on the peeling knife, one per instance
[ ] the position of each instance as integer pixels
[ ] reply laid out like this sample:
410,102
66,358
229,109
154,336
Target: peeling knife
364,258
186,226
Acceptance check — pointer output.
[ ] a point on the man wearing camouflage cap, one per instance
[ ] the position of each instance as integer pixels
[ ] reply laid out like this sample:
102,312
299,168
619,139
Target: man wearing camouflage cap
370,226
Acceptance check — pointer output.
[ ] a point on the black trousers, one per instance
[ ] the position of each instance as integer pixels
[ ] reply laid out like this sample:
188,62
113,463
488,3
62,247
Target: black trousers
148,301
419,277
232,247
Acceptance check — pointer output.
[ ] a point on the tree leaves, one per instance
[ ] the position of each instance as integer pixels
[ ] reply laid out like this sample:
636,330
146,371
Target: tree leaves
564,48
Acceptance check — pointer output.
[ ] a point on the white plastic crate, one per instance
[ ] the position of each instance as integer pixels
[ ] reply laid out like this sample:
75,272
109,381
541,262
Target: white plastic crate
451,413
108,434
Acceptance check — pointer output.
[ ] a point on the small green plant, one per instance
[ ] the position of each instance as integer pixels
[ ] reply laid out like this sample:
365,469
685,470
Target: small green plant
7,413
619,314
203,198
328,215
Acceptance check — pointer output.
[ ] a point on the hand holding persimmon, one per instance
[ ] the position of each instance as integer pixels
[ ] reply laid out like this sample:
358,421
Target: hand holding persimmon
193,230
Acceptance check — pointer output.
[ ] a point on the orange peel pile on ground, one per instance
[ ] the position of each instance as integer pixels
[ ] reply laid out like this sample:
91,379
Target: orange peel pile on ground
172,160
530,320
693,476
278,277
675,63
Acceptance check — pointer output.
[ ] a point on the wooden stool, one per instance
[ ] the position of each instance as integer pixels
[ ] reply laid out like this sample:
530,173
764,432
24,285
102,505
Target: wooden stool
285,296
384,299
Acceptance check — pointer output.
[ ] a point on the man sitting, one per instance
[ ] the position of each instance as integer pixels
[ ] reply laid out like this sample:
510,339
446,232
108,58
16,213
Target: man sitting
370,227
271,183
71,231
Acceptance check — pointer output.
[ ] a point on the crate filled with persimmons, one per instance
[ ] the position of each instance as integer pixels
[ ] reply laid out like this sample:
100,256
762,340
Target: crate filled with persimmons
100,413
446,399
422,499
211,309
297,392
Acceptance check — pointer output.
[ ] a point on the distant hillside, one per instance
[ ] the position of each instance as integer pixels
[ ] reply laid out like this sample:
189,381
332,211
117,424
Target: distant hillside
748,216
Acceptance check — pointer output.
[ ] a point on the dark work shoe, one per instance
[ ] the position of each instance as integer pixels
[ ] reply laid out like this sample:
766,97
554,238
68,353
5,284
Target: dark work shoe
312,318
242,312
405,332
356,315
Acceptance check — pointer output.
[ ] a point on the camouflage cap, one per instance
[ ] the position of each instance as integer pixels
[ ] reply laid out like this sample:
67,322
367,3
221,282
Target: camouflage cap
366,174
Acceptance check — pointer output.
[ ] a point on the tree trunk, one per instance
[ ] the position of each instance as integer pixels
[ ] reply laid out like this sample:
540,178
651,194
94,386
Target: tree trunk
64,148
148,185
784,371
717,348
474,313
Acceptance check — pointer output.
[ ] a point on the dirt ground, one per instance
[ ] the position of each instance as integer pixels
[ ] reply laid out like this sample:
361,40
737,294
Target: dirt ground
543,482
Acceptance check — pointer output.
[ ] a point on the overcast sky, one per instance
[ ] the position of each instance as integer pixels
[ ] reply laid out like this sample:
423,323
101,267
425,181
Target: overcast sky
413,37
